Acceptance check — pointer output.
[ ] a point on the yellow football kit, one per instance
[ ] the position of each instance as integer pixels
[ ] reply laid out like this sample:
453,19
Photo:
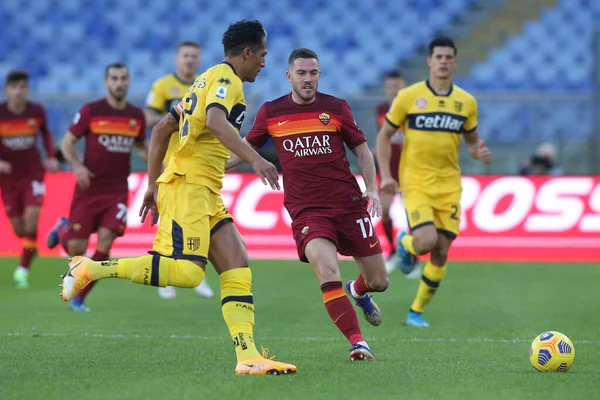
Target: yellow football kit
189,195
166,92
429,169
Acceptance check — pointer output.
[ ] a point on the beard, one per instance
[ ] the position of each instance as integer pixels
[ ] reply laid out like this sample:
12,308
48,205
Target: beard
306,94
118,95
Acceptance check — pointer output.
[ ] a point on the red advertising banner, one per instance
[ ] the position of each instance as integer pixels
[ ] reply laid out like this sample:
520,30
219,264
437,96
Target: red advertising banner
504,218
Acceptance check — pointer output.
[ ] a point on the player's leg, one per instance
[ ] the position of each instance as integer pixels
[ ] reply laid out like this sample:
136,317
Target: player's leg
423,236
447,221
183,267
388,227
228,255
105,240
27,227
322,255
21,273
357,238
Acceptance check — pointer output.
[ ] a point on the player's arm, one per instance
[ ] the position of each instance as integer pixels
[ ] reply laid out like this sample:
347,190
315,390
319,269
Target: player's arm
51,163
235,160
356,141
477,148
366,164
393,120
475,145
155,106
256,137
216,122
159,142
152,117
79,128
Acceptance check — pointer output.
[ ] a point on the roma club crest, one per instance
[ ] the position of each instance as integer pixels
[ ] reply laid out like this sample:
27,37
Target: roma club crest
324,118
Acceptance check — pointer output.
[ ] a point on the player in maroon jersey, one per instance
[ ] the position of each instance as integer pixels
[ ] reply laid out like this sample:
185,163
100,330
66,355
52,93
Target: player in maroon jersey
330,213
393,82
21,168
112,128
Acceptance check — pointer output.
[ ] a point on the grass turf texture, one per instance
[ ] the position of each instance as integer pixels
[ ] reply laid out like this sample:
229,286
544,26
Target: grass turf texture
134,345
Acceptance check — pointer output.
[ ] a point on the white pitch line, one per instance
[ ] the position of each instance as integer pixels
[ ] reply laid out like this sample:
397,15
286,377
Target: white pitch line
297,339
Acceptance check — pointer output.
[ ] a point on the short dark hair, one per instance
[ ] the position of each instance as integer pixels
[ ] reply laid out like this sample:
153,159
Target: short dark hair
17,75
243,34
394,74
302,52
188,43
117,65
442,41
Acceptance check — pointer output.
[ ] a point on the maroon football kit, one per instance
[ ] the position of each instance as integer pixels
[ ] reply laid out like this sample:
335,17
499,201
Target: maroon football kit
321,194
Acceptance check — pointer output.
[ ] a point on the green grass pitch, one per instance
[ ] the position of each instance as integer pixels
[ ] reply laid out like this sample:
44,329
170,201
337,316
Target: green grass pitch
134,345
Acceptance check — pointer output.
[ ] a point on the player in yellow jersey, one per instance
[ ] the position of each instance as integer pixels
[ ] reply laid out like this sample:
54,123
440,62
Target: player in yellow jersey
435,115
195,225
164,94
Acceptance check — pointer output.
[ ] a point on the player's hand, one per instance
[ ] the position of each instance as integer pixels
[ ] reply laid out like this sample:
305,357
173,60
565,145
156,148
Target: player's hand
51,165
5,167
149,205
267,172
83,175
374,207
485,155
388,185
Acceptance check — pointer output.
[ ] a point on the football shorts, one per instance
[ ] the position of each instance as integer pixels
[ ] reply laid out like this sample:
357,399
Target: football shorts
350,230
92,211
17,195
189,215
441,210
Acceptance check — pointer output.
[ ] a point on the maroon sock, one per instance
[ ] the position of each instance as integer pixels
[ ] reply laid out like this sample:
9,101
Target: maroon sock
360,286
29,243
388,228
341,312
63,237
99,255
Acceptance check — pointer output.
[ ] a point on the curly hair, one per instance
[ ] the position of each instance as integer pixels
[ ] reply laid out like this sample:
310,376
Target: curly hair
243,34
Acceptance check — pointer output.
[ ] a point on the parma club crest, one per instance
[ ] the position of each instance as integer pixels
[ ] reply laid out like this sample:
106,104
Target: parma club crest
324,118
193,243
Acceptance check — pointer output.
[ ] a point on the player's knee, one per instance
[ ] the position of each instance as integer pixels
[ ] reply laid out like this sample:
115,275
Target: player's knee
379,283
76,248
327,271
425,243
439,256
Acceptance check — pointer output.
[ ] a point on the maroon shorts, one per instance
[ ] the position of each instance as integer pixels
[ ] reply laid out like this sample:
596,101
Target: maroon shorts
90,212
20,194
351,231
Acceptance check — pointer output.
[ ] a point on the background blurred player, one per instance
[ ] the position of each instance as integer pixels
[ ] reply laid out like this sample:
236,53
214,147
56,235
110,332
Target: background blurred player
112,128
328,209
393,82
165,93
21,168
435,115
195,225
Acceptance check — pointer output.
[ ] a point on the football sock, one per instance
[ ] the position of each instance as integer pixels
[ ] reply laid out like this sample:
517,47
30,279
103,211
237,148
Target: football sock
29,244
407,243
360,287
237,306
430,281
388,228
152,270
63,237
99,255
341,312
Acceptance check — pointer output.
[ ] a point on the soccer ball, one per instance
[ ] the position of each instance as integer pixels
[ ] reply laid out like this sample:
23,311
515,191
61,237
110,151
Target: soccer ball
552,352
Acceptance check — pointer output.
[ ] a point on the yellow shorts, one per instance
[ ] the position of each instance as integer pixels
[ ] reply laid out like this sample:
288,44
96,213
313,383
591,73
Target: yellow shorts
443,211
189,215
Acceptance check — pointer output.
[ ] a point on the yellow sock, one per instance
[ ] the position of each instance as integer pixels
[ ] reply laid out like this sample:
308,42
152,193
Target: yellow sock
150,270
430,281
407,243
237,306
